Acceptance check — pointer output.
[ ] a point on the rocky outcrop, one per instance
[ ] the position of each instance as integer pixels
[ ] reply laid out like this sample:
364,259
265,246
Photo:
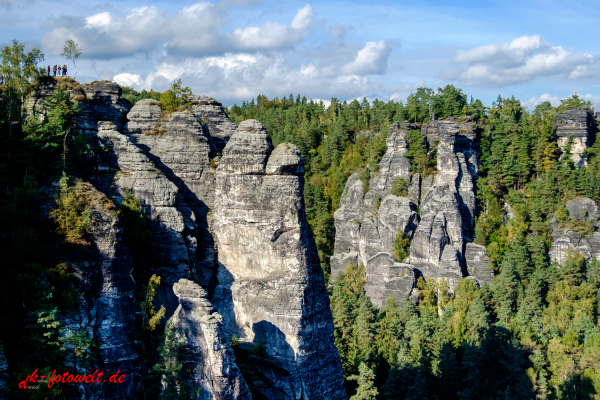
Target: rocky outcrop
143,117
366,224
478,263
583,209
565,239
97,101
216,121
124,167
199,328
271,286
579,125
103,272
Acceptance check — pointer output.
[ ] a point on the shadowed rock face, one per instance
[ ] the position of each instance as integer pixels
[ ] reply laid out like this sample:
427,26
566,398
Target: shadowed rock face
578,124
270,283
180,148
446,201
103,273
199,328
126,167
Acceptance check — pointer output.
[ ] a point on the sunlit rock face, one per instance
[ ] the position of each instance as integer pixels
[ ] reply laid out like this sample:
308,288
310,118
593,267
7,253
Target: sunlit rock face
437,214
271,285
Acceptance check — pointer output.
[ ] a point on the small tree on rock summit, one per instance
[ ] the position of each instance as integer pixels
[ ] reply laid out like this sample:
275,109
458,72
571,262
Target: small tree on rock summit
72,52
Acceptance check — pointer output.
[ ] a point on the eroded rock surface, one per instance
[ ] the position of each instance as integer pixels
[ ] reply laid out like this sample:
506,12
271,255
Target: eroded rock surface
578,124
126,168
103,272
219,126
271,286
367,223
200,329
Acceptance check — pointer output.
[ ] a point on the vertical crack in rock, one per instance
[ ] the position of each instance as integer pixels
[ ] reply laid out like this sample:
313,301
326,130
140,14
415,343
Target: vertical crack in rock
271,286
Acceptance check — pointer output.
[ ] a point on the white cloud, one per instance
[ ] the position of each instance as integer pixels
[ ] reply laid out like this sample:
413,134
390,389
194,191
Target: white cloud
243,76
519,61
98,20
127,79
195,30
535,101
371,59
593,98
555,100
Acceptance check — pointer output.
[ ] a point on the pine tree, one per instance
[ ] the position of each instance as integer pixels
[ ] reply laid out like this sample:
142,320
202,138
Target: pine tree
366,388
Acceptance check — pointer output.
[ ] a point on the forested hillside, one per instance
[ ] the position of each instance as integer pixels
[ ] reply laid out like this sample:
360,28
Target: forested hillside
532,333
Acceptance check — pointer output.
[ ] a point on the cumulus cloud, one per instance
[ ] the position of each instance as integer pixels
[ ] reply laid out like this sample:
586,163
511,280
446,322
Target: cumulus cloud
533,102
371,59
194,30
236,76
520,61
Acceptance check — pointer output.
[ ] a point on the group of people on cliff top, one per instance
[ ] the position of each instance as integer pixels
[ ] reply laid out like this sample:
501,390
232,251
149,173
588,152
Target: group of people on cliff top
58,68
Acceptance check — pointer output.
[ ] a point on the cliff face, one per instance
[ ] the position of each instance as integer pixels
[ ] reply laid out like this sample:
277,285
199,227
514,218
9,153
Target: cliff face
577,125
367,224
105,311
235,236
271,288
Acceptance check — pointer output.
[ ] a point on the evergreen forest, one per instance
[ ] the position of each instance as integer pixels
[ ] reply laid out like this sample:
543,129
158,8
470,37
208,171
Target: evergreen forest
533,333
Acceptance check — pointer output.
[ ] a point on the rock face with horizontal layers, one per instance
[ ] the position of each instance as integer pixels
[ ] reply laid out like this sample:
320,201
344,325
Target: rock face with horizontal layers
579,125
199,328
367,223
219,126
271,286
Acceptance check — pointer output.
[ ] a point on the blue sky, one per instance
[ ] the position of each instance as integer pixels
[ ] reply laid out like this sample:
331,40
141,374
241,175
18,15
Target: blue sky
234,50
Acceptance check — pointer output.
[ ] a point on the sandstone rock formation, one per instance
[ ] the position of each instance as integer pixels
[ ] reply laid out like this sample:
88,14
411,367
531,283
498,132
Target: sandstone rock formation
265,280
219,126
565,240
440,233
578,124
179,147
367,223
271,287
103,272
200,329
124,167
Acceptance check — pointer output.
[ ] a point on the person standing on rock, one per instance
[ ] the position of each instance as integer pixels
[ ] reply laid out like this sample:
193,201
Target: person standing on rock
48,70
54,69
65,70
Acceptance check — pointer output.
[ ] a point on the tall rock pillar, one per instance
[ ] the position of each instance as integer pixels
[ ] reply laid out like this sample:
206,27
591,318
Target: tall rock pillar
271,286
